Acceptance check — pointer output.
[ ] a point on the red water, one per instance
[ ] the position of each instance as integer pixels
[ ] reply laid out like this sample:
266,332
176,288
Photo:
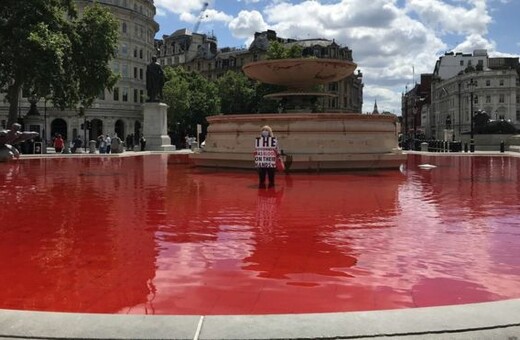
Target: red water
139,235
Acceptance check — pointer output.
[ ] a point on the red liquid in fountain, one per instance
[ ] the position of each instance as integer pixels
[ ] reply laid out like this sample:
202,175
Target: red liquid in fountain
143,235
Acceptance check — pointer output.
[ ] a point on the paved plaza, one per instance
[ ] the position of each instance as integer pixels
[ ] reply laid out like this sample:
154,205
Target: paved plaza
493,320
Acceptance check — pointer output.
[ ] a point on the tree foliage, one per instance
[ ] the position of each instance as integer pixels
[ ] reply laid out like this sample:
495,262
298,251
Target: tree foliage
277,50
191,98
237,93
50,50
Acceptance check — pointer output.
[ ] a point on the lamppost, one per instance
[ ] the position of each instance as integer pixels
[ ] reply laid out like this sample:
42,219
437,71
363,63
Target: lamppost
45,124
472,84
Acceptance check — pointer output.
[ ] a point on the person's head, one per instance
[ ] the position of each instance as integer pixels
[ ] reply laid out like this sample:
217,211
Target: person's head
267,131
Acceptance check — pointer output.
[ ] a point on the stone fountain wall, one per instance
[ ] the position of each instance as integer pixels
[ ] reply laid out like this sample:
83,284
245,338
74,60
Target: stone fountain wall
312,141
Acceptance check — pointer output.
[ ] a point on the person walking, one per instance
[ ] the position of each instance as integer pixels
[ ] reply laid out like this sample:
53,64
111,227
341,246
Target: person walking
59,144
130,142
142,141
108,142
102,144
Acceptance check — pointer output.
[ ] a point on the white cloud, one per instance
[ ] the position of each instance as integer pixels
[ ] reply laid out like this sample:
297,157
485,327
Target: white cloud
179,7
246,24
475,41
453,19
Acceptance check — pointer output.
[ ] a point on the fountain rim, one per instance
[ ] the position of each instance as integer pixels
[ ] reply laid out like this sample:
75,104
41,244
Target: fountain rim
280,95
300,116
296,62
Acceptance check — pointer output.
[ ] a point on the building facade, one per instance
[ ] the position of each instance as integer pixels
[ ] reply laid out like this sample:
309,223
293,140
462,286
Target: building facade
495,90
199,52
114,112
415,106
451,64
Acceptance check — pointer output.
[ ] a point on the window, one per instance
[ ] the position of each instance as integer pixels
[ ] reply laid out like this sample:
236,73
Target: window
141,96
135,72
136,96
475,98
141,73
135,52
141,54
124,70
462,63
488,82
501,82
116,93
125,94
124,27
115,67
488,99
501,98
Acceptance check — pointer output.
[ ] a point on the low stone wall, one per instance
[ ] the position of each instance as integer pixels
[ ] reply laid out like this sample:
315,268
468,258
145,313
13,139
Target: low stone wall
314,141
489,142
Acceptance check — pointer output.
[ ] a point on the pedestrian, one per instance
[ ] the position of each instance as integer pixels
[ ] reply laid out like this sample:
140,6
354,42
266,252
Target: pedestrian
130,142
142,141
102,144
76,144
108,141
59,144
266,153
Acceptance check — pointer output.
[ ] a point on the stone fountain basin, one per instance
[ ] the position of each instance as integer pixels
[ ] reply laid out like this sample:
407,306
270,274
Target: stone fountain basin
314,141
299,73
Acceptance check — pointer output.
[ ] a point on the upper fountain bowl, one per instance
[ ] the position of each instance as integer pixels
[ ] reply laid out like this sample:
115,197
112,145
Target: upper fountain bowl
299,73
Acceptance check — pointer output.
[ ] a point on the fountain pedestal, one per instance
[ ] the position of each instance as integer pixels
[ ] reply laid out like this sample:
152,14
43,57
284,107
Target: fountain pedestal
311,141
155,128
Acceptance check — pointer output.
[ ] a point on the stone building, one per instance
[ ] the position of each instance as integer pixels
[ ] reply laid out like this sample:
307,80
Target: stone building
495,89
199,52
415,105
118,111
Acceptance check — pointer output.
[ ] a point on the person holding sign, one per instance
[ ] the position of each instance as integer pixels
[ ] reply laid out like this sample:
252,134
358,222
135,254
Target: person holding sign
266,153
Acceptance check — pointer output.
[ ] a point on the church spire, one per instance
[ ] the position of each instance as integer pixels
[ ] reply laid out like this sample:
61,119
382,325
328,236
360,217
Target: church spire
376,111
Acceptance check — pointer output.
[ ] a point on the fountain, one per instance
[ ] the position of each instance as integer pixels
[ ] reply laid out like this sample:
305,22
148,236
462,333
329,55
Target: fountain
310,141
8,138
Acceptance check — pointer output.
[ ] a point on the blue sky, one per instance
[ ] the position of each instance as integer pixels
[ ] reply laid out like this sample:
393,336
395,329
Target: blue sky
389,38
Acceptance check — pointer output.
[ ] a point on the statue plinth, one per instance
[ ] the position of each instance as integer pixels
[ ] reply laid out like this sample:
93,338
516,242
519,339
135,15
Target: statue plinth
155,128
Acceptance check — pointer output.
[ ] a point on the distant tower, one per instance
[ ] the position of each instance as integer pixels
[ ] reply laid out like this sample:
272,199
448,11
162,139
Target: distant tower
376,111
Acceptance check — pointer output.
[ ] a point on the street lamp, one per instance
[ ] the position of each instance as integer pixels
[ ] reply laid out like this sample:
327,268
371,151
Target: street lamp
472,84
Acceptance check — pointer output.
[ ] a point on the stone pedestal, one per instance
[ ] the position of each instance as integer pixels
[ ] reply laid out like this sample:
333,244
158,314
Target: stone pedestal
448,135
155,129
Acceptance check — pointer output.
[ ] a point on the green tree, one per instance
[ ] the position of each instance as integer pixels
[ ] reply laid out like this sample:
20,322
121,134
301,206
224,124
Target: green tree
277,50
237,93
49,50
191,98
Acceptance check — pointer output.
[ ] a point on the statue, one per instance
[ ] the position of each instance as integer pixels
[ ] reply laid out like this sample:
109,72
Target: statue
8,138
154,81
